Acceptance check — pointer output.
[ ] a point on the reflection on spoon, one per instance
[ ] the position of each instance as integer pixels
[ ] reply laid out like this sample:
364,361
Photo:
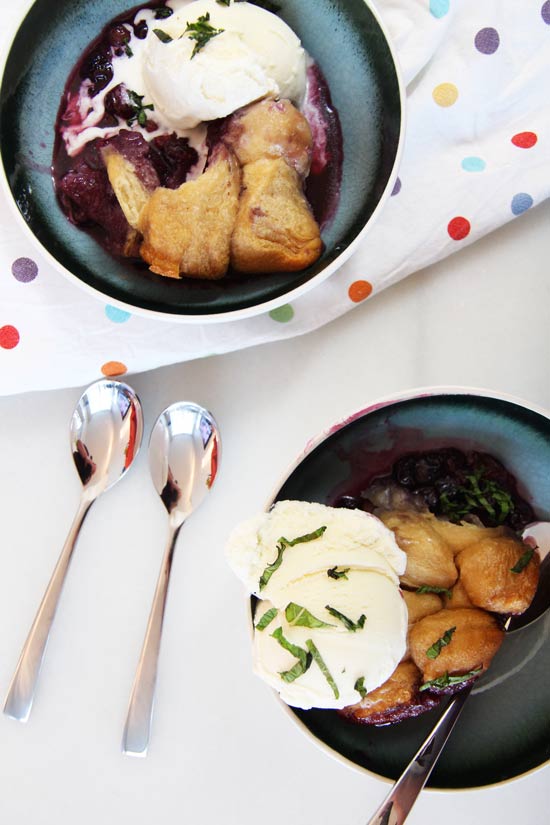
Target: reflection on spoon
183,459
106,430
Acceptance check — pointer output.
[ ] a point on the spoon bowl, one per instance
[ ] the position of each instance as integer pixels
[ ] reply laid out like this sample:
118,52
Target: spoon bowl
105,435
106,430
184,452
183,458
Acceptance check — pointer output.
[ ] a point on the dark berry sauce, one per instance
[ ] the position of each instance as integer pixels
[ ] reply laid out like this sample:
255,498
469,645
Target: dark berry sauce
453,484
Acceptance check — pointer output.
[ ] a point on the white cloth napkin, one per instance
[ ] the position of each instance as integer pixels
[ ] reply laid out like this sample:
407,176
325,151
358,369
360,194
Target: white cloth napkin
477,154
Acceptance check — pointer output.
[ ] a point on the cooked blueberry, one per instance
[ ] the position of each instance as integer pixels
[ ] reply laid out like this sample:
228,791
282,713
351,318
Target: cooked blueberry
119,103
428,468
118,35
349,502
98,68
404,471
141,29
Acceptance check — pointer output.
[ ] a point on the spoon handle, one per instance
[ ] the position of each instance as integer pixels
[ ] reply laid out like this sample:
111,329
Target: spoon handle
140,710
396,807
21,692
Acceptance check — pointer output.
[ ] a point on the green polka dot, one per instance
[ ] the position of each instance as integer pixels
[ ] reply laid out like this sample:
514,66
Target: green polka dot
282,314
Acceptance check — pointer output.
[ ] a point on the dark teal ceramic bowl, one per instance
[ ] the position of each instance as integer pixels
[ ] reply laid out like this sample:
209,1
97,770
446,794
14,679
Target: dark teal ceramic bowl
504,730
347,40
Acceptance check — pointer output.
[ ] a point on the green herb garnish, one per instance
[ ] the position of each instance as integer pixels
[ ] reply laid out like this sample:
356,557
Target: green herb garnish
428,588
319,661
304,658
446,680
300,617
201,32
163,13
128,51
523,560
281,547
164,37
349,623
334,573
434,651
140,113
359,686
267,618
477,493
224,2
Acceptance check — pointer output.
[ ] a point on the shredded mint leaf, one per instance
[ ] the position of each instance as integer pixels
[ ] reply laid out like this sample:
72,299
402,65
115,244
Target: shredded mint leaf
428,588
140,113
319,661
316,534
300,617
304,658
281,546
164,37
224,2
334,573
128,51
267,618
163,13
201,31
435,649
359,686
349,623
446,680
523,560
478,493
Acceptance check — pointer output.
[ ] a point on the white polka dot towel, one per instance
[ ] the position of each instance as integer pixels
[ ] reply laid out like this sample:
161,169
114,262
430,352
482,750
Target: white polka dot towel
478,125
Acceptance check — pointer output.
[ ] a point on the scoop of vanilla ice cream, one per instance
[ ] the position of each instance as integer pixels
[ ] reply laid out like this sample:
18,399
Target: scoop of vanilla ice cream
358,547
256,55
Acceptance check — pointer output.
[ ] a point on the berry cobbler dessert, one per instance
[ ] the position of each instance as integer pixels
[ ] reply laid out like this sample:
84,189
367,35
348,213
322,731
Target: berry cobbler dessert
394,596
200,138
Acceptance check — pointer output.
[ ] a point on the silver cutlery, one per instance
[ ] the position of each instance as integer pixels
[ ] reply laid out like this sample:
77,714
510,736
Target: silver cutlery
105,435
397,805
184,451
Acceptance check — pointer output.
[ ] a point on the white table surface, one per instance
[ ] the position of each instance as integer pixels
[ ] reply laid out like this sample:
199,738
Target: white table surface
222,750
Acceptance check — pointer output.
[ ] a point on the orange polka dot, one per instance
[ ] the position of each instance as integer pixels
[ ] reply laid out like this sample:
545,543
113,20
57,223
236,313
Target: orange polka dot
112,369
359,290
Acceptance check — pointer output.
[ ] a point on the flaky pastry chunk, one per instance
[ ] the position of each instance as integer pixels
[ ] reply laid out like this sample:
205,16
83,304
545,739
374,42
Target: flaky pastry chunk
131,193
472,643
486,572
271,129
187,231
275,230
459,536
430,559
459,597
421,604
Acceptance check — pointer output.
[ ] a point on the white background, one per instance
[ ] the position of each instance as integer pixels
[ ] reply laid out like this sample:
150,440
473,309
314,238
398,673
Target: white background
222,750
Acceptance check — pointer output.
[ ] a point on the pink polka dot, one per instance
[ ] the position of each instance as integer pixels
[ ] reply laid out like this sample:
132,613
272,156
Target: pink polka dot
459,228
9,337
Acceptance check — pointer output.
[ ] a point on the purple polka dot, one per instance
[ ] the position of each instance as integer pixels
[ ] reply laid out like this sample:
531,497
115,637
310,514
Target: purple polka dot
487,41
24,270
545,12
397,187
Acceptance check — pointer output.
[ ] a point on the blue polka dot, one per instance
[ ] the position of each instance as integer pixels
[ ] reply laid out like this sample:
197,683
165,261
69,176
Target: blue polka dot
473,164
116,315
521,203
439,8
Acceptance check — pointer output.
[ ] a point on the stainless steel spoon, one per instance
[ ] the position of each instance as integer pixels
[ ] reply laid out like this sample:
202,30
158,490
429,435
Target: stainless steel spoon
398,804
105,431
184,452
